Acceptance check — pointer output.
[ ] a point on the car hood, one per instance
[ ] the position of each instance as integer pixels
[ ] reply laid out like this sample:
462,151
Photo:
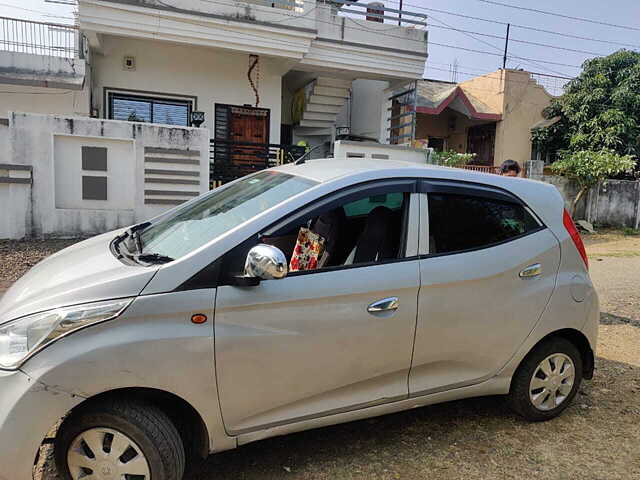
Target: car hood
84,272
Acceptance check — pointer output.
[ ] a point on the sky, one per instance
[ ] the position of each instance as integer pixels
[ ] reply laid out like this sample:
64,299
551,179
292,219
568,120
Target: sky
441,58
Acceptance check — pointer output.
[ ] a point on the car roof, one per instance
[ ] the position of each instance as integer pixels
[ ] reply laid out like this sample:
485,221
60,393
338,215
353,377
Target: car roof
323,170
542,197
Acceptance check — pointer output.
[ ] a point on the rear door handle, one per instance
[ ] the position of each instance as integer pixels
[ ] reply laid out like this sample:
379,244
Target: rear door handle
385,305
534,270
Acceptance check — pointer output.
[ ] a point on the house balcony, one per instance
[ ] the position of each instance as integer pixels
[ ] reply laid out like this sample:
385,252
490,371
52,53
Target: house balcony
40,54
309,35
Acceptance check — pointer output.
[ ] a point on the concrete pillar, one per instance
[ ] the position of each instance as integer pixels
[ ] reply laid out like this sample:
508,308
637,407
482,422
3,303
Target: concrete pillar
534,169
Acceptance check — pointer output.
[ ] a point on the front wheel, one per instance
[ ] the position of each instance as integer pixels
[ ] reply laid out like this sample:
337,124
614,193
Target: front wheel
119,440
547,380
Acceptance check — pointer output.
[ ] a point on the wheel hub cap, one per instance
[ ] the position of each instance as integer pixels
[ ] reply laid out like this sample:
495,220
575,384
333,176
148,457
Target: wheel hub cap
106,469
106,454
552,382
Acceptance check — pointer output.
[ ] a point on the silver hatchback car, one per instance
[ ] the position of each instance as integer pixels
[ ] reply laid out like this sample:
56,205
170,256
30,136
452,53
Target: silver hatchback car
297,297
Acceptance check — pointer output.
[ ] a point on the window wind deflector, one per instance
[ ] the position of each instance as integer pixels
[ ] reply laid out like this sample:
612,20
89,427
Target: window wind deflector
467,188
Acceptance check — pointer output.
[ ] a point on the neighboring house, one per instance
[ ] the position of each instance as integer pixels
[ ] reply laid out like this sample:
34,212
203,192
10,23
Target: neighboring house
42,69
491,115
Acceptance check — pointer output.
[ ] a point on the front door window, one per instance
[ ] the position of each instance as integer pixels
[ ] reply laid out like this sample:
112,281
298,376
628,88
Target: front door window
318,342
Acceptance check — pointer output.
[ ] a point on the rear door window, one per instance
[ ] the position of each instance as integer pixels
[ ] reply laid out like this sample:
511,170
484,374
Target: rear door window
465,222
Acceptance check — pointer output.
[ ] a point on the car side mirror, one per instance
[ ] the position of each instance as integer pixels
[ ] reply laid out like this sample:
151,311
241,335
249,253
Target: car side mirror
265,262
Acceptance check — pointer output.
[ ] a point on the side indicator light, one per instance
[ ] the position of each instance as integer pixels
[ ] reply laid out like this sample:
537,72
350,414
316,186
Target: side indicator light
198,318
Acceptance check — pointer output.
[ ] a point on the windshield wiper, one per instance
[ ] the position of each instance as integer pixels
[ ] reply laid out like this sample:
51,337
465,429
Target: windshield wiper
135,232
152,258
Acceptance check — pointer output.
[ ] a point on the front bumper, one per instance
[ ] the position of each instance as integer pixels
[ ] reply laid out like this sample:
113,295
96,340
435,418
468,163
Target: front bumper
28,410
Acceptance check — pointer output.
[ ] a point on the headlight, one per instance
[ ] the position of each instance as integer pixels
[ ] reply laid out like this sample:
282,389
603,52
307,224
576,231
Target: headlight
22,338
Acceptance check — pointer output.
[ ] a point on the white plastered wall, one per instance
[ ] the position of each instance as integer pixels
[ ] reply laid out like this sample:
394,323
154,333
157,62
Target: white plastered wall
368,101
45,100
52,145
213,76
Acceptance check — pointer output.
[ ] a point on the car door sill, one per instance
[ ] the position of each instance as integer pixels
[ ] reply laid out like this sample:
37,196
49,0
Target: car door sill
326,413
452,386
493,386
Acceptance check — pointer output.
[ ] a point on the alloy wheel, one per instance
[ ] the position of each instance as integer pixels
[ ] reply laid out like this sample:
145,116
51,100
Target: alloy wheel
106,454
552,382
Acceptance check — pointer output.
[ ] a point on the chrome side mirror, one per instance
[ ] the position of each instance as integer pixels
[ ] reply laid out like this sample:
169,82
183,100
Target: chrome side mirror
266,262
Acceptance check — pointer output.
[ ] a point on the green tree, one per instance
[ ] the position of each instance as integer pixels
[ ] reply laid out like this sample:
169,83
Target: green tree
600,109
589,168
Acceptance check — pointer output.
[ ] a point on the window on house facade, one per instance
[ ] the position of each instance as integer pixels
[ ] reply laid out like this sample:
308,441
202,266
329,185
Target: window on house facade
136,107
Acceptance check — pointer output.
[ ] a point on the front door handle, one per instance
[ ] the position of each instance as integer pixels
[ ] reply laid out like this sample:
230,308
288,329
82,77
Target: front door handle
531,271
385,305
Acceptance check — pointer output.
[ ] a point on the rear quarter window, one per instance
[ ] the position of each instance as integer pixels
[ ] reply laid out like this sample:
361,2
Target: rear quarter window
465,222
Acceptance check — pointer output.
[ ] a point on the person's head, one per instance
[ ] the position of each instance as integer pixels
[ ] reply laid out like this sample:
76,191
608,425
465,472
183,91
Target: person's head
510,168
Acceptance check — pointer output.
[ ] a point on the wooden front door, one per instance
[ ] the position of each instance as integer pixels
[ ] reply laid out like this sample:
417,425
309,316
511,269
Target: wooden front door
481,140
240,144
250,131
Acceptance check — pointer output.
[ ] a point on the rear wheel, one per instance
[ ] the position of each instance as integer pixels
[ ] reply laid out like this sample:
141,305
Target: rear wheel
119,440
547,380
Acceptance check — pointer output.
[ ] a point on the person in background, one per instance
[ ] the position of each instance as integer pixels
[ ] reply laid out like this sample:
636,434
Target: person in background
510,168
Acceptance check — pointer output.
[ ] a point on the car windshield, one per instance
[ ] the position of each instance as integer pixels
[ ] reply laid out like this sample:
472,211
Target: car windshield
207,218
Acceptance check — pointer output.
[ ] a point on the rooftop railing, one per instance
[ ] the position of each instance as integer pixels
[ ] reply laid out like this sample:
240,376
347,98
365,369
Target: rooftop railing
38,38
293,5
377,12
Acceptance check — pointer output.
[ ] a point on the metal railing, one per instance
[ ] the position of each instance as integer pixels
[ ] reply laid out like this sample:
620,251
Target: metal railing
483,168
379,13
38,38
293,5
230,159
554,84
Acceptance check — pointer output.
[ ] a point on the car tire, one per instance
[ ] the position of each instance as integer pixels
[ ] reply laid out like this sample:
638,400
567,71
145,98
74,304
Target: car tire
546,381
129,439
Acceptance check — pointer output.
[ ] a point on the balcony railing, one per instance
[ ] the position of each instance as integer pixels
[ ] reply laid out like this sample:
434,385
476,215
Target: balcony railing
38,38
231,159
378,13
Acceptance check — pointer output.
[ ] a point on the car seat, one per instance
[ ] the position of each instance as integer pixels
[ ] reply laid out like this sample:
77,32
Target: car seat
376,242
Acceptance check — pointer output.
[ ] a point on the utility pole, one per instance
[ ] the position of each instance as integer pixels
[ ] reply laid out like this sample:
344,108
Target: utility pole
506,47
400,14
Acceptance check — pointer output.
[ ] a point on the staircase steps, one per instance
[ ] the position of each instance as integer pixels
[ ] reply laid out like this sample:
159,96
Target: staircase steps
325,97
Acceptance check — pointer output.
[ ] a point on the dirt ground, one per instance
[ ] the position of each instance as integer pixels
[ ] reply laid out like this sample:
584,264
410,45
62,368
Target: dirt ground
598,437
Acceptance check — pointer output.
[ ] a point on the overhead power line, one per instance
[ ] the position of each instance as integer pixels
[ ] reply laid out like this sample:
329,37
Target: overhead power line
546,45
561,15
385,34
483,72
500,55
506,56
524,27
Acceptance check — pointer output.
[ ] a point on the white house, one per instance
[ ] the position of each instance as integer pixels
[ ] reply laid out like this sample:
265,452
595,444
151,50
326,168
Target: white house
258,75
